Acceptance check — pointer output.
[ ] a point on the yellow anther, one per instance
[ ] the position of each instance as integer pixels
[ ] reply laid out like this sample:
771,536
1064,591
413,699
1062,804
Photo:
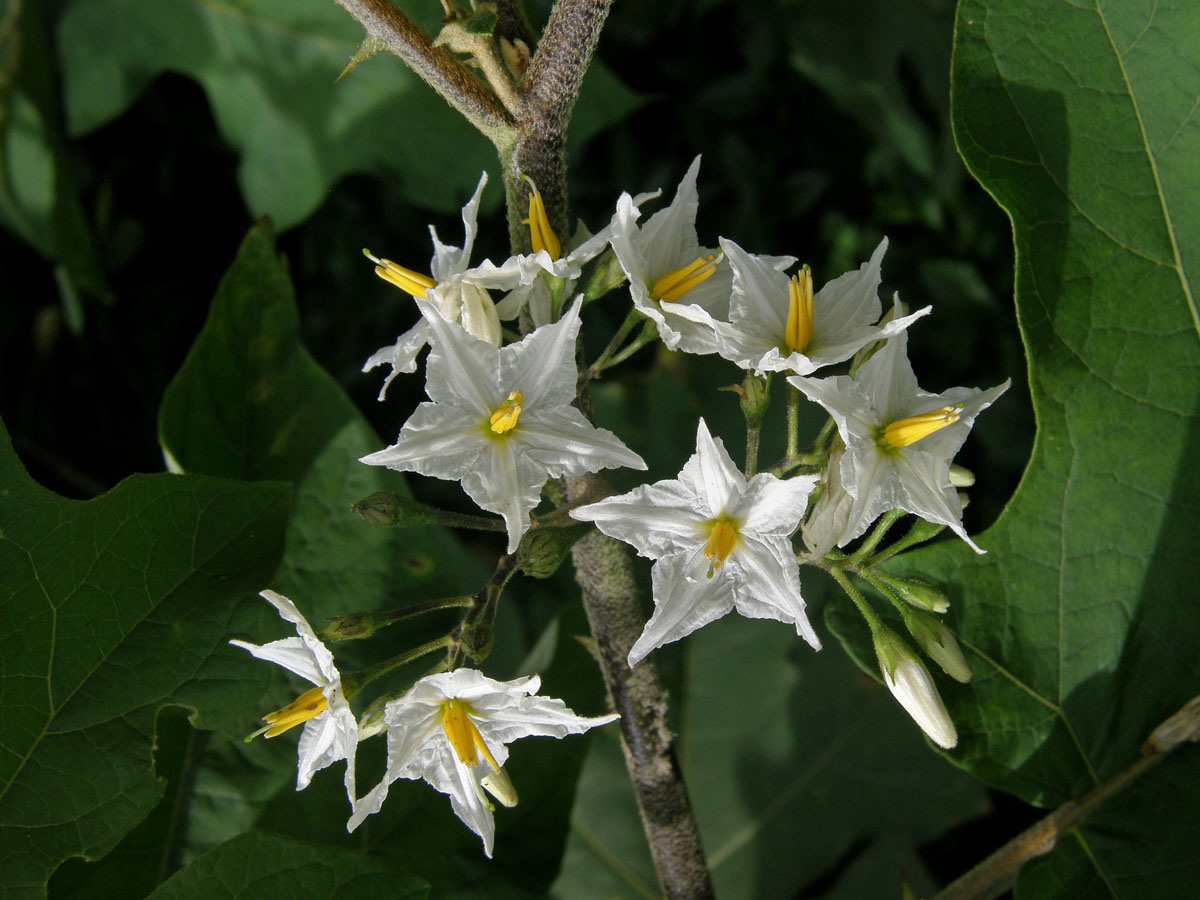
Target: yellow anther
675,284
722,538
909,430
308,705
407,280
541,235
464,736
506,414
800,311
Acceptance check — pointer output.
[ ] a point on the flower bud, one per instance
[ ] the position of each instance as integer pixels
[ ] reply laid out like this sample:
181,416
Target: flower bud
388,510
913,687
939,644
500,786
961,477
917,593
543,550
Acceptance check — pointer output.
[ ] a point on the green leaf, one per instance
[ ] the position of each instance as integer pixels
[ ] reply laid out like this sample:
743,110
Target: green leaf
1081,622
792,764
250,402
100,628
271,74
266,867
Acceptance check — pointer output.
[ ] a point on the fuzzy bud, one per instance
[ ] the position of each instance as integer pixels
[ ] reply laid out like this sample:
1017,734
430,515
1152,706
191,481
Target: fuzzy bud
913,687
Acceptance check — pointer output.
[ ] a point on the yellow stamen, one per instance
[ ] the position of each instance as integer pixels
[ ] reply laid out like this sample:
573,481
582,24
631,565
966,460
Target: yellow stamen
407,280
541,235
909,430
800,311
506,414
721,540
464,736
675,284
308,705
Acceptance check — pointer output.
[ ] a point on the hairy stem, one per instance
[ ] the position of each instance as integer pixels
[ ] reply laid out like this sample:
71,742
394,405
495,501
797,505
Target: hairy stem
604,570
551,88
437,67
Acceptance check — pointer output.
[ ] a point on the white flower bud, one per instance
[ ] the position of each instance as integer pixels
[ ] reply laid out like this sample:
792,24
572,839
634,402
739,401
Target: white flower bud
939,644
913,687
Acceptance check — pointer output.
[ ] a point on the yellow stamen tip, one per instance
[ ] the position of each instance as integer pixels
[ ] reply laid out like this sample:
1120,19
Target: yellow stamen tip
464,736
407,280
675,284
911,429
505,416
722,538
307,706
799,327
541,235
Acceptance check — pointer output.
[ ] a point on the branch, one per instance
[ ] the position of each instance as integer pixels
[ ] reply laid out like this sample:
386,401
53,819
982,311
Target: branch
437,67
998,873
604,570
551,88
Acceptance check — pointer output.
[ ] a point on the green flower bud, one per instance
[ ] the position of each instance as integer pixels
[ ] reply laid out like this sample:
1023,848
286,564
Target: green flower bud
917,593
543,550
939,644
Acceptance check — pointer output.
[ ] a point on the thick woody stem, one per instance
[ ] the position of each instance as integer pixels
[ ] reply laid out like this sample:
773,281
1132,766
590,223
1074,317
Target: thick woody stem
551,88
604,570
437,67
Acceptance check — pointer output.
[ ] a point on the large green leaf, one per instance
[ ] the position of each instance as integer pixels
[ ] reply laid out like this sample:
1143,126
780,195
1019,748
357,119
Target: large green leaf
270,71
265,866
1082,622
111,610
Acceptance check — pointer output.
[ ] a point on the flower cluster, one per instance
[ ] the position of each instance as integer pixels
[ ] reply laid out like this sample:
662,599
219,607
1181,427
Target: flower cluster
502,420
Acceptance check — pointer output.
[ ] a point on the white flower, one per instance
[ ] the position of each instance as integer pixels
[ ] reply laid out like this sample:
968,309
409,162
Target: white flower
458,292
452,729
913,687
721,543
330,731
683,287
899,439
777,323
501,420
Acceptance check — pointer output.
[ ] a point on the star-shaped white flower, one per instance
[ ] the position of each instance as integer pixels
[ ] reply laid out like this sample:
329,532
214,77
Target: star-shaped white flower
457,291
683,287
899,439
501,420
777,323
721,543
330,730
452,730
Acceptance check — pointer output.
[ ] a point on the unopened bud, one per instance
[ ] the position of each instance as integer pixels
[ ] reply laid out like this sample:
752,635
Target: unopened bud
917,593
913,687
388,510
754,395
500,786
543,550
349,628
939,644
961,477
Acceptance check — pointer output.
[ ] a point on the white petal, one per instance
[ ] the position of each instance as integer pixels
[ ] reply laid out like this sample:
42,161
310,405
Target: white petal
449,261
852,298
657,519
437,440
564,442
542,365
712,474
767,584
402,355
291,653
772,505
759,305
681,605
461,370
508,483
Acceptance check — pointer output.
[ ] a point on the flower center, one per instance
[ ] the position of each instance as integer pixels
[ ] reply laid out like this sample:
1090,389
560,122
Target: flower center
541,235
675,284
504,418
800,311
307,706
464,736
722,538
909,430
407,280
